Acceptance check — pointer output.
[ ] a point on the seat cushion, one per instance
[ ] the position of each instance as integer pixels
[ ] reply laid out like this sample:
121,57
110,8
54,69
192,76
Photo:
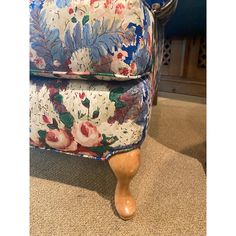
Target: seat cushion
89,119
91,39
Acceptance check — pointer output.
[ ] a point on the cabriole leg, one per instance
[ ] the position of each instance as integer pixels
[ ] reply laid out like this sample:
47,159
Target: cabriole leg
125,166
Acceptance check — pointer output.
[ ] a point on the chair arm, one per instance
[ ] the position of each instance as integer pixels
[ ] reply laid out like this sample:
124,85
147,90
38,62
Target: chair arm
163,13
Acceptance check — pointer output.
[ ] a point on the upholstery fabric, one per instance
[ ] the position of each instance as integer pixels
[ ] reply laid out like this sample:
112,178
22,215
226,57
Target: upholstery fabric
93,74
91,39
94,119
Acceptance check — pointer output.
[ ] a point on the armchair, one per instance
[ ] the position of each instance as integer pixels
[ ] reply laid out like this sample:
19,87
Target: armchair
94,69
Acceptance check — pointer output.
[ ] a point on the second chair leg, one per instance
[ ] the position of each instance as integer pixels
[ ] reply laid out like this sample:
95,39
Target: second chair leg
125,166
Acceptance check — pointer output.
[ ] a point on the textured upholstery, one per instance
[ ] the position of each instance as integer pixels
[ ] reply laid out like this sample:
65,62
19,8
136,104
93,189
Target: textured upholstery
91,39
77,49
90,119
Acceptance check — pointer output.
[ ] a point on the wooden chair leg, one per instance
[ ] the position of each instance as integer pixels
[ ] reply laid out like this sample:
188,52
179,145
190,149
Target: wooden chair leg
155,97
125,166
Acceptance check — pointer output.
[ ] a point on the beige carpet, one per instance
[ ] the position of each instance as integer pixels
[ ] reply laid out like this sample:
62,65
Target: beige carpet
71,196
179,122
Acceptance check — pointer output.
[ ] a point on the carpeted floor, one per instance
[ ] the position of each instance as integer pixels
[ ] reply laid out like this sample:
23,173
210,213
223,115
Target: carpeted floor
179,122
72,196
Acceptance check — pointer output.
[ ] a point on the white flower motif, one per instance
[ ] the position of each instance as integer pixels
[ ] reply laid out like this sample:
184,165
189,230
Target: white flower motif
81,61
56,63
33,54
126,131
98,96
118,66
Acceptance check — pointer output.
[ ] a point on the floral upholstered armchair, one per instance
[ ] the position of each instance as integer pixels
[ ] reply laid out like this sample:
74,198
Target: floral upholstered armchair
93,73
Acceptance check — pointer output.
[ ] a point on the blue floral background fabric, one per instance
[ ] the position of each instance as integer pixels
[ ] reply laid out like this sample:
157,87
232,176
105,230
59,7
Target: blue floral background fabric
89,119
91,39
76,48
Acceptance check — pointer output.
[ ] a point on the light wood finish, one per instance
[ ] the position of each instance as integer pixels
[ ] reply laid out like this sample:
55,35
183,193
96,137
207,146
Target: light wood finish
183,74
184,60
125,166
176,65
192,71
155,97
186,57
181,85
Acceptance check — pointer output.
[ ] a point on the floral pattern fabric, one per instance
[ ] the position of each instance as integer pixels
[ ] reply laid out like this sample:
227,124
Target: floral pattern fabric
93,119
91,39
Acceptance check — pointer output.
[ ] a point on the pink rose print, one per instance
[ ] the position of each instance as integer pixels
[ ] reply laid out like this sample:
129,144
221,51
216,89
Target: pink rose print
60,139
52,91
93,1
133,67
120,55
82,95
47,119
119,9
71,11
119,66
68,62
107,3
86,134
124,71
39,62
36,142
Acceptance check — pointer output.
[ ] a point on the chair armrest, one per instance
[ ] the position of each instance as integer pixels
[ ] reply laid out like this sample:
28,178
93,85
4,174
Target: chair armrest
162,12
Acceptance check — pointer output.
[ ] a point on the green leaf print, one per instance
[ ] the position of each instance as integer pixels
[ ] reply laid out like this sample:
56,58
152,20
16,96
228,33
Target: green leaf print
95,114
73,19
108,140
100,149
67,119
58,97
85,19
80,115
115,93
54,125
114,97
119,104
86,102
42,134
51,126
